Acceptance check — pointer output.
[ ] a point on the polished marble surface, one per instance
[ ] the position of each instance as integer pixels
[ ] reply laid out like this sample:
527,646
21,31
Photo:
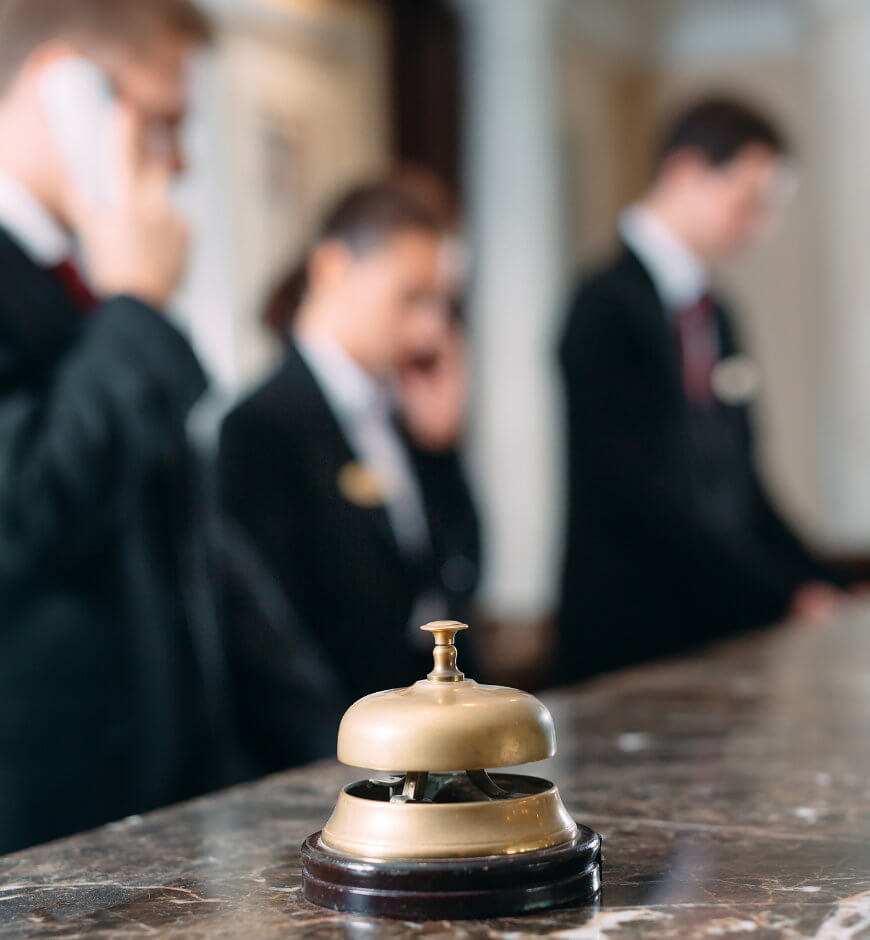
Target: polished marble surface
732,789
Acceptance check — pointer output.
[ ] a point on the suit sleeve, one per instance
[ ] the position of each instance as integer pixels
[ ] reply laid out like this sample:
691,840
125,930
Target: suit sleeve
289,699
624,424
73,448
456,529
781,537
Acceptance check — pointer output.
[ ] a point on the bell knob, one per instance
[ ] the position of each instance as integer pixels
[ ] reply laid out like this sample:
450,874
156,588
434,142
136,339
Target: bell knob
444,632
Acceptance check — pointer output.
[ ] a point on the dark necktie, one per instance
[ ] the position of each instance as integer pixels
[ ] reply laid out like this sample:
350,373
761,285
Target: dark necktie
76,288
698,348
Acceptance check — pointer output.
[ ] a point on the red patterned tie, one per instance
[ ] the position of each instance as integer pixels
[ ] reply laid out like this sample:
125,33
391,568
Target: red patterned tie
696,333
76,288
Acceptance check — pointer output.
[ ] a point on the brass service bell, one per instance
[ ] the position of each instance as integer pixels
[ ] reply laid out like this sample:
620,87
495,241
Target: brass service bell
433,833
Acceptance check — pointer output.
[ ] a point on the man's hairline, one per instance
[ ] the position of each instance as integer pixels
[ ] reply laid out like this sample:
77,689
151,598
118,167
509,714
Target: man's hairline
777,155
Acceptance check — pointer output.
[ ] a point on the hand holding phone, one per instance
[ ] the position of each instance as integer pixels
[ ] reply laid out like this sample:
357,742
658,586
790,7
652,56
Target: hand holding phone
136,243
118,197
434,392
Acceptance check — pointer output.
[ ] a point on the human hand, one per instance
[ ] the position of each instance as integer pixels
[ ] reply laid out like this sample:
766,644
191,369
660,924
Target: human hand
816,601
434,394
137,245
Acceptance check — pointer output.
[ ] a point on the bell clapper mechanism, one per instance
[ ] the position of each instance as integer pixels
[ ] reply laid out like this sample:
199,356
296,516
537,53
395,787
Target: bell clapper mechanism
433,833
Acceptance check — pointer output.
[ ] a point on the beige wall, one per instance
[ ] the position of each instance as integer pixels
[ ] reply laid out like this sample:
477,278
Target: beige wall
298,109
607,116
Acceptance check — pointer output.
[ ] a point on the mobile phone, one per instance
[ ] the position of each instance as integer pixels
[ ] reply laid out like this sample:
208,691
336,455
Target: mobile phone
80,109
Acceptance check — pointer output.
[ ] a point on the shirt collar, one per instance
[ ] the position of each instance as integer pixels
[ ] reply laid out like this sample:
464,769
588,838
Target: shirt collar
350,390
31,225
679,275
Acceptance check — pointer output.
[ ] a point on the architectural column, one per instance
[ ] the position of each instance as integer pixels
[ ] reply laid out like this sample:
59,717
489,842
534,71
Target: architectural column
840,45
513,200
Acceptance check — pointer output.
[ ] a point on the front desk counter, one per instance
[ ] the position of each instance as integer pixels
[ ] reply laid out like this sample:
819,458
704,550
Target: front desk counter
732,789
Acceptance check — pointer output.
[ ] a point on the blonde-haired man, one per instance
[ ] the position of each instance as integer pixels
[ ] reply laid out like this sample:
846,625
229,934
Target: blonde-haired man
110,675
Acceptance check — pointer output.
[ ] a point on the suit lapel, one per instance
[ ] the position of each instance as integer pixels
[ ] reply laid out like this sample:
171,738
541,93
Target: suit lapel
339,463
647,306
38,321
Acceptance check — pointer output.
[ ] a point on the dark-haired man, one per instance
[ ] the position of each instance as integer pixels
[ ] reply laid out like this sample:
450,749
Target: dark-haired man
110,679
672,539
343,467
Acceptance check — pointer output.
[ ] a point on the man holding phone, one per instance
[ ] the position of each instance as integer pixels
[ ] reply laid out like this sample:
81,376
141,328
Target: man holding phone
110,664
344,467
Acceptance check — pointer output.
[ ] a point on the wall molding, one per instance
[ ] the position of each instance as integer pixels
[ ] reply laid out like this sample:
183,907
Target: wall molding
677,31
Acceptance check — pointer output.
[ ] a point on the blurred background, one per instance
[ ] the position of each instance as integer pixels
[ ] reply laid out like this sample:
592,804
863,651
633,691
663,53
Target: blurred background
541,113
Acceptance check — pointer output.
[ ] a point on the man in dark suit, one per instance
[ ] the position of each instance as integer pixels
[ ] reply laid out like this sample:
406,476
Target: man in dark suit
672,539
343,468
111,678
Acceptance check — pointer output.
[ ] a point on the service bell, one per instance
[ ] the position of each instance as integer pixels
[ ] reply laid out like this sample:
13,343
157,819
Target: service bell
433,834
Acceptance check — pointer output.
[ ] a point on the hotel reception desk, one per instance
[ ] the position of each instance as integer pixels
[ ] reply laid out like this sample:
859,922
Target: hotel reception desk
732,789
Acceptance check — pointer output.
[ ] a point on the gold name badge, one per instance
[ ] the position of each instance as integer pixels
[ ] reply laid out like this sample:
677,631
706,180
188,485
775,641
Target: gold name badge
361,486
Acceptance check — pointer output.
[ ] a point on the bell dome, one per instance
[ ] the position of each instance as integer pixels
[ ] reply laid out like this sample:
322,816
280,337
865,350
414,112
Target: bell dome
446,723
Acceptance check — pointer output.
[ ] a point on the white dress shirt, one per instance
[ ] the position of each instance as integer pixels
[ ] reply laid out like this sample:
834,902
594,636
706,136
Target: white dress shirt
364,410
681,278
31,225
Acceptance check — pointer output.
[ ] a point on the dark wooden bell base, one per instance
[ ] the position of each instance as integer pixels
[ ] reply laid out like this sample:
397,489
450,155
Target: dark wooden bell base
453,889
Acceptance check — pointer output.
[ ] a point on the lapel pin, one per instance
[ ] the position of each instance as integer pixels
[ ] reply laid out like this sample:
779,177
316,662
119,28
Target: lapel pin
360,486
736,381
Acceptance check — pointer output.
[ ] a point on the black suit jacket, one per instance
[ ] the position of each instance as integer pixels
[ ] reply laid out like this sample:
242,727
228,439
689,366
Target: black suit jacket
338,562
106,642
671,538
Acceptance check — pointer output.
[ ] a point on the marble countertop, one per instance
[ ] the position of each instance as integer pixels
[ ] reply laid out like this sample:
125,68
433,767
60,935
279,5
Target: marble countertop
732,789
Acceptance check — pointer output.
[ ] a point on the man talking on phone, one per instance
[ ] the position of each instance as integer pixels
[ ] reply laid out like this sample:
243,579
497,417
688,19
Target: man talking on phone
344,467
109,661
